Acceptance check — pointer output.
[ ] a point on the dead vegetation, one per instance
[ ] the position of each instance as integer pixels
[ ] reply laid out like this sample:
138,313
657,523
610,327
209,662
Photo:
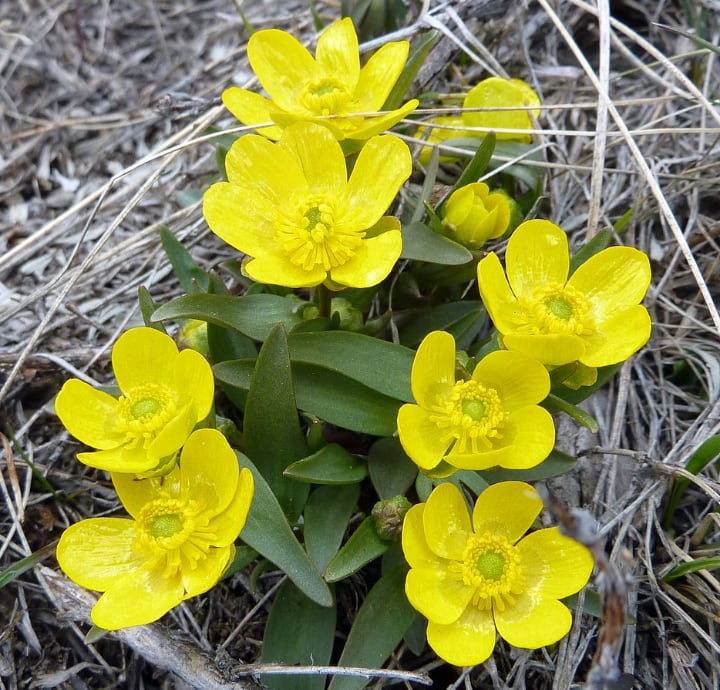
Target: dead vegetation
105,106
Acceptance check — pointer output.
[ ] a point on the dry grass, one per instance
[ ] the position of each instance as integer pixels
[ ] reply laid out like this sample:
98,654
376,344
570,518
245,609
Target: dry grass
103,108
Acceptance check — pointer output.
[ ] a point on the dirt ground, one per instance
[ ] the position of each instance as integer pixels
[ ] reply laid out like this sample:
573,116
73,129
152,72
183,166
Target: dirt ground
101,108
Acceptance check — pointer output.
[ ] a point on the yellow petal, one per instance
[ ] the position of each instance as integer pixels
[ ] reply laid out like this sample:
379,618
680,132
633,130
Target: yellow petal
379,74
135,493
143,355
519,380
208,571
277,269
467,642
209,470
143,598
537,255
555,565
422,440
447,522
251,109
97,552
436,594
433,370
417,553
283,66
319,156
337,53
613,279
88,414
532,623
227,525
194,381
371,126
497,457
383,165
372,262
553,349
121,459
531,437
500,302
170,438
507,509
618,338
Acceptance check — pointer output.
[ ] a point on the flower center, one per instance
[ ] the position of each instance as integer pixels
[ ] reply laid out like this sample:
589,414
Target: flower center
472,415
326,96
143,412
559,309
491,564
310,237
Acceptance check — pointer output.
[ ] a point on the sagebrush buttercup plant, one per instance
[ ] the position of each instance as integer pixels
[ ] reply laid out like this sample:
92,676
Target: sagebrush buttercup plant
164,395
292,209
475,577
593,316
331,88
473,214
491,419
178,542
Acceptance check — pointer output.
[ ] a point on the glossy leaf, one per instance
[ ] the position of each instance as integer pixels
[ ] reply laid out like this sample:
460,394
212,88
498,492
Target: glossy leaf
557,463
476,167
443,317
391,470
421,243
191,276
692,567
330,465
577,413
147,307
363,546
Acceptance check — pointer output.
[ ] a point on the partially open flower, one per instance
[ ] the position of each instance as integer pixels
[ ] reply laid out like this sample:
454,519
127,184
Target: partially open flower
473,215
491,420
330,84
291,207
178,543
593,316
164,394
474,579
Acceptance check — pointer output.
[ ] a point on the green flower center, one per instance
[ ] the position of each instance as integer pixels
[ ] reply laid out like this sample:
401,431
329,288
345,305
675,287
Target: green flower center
145,408
492,565
165,525
308,234
326,96
143,412
472,414
559,309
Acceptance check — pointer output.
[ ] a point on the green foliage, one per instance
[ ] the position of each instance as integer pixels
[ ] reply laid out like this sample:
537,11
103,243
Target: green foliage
363,546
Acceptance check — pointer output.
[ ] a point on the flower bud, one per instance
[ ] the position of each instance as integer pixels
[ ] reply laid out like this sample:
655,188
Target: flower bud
193,335
473,215
389,515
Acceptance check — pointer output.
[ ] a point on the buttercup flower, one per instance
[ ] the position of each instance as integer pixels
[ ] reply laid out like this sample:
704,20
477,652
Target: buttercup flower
178,543
490,93
491,420
305,88
471,579
291,207
593,317
473,215
164,394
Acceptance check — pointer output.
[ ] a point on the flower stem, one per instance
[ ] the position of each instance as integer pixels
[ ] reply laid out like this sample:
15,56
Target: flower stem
324,297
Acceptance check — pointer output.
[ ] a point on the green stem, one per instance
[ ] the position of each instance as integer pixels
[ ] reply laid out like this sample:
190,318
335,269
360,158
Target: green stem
324,296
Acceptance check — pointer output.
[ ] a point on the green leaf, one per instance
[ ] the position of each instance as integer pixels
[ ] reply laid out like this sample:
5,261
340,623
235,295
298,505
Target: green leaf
557,463
577,413
391,471
692,567
330,465
414,63
595,245
384,617
147,307
273,438
377,364
706,452
268,532
577,396
476,167
420,243
28,563
298,631
452,317
363,546
327,514
328,395
252,315
244,556
190,275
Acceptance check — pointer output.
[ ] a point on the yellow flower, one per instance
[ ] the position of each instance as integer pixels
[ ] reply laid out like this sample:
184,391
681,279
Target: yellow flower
178,543
165,393
331,84
471,579
291,207
593,317
492,419
493,92
473,215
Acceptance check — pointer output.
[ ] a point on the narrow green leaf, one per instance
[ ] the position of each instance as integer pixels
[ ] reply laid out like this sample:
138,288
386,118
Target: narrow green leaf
595,245
420,243
415,61
252,315
443,317
692,567
557,463
577,413
576,396
95,634
273,437
268,532
391,470
476,167
330,465
363,546
384,617
298,631
24,564
327,514
147,307
190,275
